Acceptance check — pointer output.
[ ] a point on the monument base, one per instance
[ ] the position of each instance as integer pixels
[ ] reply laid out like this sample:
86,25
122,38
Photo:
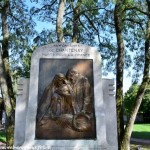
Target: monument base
65,78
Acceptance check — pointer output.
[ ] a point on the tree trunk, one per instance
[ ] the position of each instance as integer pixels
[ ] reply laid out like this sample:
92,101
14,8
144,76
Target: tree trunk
5,50
7,104
60,15
120,68
128,130
76,15
5,80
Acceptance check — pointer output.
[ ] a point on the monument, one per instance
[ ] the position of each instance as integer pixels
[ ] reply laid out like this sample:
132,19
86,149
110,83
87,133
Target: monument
66,105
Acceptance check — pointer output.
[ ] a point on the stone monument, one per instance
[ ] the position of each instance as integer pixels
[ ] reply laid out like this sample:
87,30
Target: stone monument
66,105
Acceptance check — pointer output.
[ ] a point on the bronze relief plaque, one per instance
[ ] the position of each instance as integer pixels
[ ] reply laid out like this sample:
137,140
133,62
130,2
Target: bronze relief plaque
65,99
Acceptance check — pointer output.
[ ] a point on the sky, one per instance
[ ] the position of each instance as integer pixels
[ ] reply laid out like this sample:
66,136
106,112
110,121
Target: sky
127,81
43,25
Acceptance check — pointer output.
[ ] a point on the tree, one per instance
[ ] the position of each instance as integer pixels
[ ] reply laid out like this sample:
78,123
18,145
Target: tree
89,22
7,104
128,16
145,105
76,16
60,14
83,20
129,100
5,47
13,25
142,87
6,83
76,23
119,17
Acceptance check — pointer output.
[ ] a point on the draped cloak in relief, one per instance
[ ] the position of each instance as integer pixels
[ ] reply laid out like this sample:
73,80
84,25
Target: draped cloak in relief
56,99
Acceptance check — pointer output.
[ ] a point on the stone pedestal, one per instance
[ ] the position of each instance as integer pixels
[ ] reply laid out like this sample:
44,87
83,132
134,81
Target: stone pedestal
46,62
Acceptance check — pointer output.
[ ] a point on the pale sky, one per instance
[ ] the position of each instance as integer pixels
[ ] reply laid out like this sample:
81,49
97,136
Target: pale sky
127,82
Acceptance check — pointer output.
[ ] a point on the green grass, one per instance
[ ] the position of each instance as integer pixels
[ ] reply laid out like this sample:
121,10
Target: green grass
2,136
141,131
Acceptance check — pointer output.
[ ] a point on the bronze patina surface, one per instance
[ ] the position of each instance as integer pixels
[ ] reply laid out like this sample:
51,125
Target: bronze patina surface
65,110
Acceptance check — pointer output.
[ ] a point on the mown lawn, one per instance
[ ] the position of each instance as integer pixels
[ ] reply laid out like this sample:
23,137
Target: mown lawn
141,131
2,136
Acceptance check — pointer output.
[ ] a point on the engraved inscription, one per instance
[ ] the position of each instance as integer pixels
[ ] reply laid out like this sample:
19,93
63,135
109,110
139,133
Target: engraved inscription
66,51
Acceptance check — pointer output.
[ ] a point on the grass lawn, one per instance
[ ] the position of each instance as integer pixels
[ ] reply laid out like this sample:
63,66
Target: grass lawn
2,136
141,131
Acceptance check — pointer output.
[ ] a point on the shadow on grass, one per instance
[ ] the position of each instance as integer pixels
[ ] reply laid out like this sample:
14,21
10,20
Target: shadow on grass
2,136
135,147
141,135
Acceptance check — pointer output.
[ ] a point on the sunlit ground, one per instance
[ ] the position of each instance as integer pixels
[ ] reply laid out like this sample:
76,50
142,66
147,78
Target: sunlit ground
141,131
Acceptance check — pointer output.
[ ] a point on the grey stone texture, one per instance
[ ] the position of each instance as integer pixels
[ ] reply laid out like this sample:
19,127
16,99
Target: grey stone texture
28,93
20,113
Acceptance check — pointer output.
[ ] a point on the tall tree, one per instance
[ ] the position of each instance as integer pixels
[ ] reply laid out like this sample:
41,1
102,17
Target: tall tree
83,20
119,17
128,130
76,16
14,23
6,83
75,23
129,100
125,11
7,104
22,31
5,48
60,15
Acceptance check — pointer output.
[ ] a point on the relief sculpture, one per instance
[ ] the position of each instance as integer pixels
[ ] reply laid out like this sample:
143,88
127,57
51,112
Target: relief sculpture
65,110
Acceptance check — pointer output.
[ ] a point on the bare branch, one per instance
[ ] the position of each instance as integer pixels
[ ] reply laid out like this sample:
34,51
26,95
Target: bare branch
44,7
93,9
91,23
135,21
88,10
11,15
68,13
67,18
112,24
84,26
137,9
